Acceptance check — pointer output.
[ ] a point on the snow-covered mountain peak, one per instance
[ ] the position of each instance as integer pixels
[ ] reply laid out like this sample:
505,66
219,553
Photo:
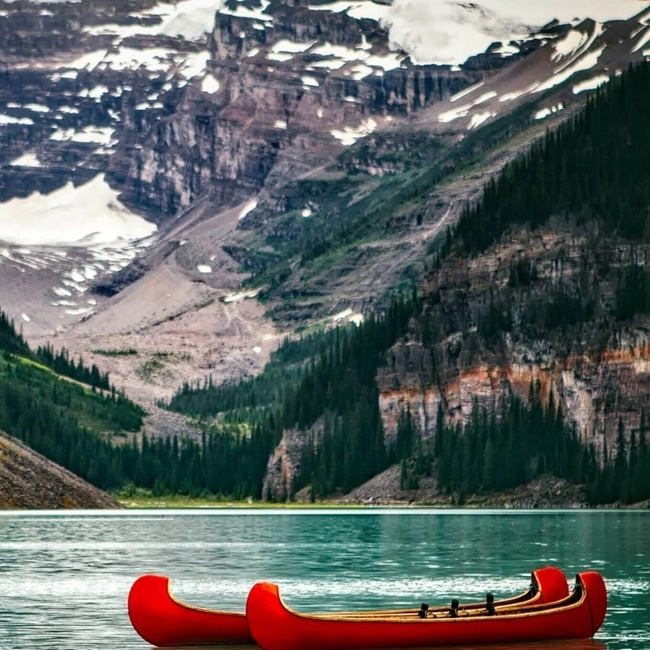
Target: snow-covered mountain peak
550,79
451,31
161,105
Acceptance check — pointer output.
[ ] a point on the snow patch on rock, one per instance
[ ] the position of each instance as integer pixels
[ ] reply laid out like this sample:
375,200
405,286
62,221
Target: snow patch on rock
545,112
247,207
349,135
209,84
26,160
84,215
590,84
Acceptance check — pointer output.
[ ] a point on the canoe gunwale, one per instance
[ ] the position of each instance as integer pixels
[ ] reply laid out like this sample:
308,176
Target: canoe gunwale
529,598
566,604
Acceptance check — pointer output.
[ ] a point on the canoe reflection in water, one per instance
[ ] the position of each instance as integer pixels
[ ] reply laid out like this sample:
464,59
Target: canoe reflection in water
590,644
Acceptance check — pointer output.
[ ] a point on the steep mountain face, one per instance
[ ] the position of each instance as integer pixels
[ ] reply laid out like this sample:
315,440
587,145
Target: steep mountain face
546,284
599,377
288,85
180,110
335,239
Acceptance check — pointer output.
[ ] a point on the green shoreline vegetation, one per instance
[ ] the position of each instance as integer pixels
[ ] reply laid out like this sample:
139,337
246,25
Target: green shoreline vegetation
180,501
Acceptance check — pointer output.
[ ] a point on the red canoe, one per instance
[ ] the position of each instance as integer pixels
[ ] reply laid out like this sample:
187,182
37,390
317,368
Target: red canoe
162,620
276,627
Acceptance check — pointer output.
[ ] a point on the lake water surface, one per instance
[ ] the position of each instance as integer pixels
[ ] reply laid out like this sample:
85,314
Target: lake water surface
64,577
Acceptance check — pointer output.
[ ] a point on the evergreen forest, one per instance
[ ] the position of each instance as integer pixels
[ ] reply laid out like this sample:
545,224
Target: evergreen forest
94,433
593,167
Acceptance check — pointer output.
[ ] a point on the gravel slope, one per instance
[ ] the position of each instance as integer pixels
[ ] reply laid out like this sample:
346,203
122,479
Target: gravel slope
29,480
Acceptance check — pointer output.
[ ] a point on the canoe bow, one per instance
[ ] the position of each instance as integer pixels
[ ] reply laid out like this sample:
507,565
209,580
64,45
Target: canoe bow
162,620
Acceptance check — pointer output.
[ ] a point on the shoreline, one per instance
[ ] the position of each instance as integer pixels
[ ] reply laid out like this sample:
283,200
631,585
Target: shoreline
207,504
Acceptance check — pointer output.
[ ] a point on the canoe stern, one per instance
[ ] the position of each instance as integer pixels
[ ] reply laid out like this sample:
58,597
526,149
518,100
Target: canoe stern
596,598
162,620
552,584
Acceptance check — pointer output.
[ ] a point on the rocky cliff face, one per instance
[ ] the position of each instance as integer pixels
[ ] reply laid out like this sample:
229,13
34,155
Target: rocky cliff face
598,371
60,105
288,86
283,467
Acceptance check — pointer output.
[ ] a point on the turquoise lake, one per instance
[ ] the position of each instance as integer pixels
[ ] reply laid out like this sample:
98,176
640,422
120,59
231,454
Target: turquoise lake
65,577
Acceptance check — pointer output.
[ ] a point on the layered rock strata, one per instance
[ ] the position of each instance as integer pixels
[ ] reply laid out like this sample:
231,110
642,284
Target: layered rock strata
598,372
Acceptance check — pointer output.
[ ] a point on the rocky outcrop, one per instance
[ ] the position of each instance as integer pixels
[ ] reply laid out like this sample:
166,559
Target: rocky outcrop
597,371
28,480
385,490
68,68
595,390
283,467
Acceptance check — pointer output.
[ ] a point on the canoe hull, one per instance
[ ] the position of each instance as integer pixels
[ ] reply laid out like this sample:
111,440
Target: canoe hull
162,620
275,627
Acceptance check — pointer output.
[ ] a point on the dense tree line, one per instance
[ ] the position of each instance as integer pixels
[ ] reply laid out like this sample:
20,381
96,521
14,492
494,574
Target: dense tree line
625,474
517,441
510,445
286,366
223,463
61,420
63,364
13,341
10,339
76,429
594,166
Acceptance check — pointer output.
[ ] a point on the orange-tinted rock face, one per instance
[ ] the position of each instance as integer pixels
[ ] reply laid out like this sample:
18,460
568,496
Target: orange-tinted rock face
594,392
597,368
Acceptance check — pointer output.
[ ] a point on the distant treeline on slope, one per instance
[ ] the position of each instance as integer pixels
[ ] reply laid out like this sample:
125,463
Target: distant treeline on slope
60,362
336,386
330,375
593,167
77,428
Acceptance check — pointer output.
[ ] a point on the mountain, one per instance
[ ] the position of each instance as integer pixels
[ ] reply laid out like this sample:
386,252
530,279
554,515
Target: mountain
183,184
54,404
525,353
182,111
